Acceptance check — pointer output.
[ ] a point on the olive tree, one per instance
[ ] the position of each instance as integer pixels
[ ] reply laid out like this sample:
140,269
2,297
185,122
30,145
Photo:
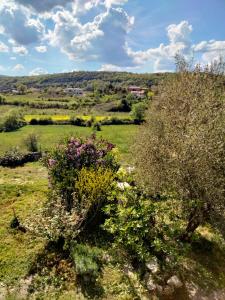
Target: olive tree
180,150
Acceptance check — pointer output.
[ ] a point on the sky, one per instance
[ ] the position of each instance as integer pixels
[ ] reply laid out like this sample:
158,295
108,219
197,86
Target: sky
55,36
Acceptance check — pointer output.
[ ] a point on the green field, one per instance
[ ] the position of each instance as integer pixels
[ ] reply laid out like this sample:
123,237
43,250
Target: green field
120,135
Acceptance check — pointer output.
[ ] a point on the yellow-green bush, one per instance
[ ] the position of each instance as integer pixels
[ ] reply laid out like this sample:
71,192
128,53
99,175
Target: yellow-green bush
93,185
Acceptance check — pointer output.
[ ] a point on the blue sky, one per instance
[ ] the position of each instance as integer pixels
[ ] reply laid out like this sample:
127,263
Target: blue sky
52,36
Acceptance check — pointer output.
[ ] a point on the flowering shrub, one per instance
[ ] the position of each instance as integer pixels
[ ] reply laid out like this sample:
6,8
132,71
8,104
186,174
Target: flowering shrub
81,175
67,160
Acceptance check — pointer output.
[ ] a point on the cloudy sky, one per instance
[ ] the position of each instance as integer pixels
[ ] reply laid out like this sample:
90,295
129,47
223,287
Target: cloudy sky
52,36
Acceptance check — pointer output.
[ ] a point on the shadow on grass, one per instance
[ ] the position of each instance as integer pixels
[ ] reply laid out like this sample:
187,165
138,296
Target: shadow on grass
54,268
90,287
207,265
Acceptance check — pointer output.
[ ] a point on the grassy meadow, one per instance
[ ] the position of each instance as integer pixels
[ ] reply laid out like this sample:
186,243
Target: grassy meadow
120,135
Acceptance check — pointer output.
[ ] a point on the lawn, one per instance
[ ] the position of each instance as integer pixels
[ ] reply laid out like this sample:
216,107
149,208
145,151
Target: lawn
120,135
22,189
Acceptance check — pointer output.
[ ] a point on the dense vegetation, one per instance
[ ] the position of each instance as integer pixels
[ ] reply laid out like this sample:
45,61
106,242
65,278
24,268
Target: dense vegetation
82,79
86,223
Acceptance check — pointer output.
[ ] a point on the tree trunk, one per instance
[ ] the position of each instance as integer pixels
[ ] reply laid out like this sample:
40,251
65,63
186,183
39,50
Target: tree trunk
197,217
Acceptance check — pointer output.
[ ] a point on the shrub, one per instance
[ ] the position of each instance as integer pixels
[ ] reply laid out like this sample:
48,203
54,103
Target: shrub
97,127
131,221
138,112
81,177
116,121
142,225
47,121
77,121
31,143
13,158
86,259
34,122
181,148
2,100
12,122
89,123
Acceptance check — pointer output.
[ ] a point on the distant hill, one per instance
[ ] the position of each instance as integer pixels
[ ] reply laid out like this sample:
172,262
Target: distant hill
82,79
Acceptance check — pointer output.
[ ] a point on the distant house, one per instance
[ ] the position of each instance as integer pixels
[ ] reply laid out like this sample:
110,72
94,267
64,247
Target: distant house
15,92
74,91
137,91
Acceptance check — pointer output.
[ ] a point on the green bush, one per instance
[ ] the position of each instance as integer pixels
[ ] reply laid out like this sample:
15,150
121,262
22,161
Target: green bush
77,121
34,122
2,100
97,127
12,122
31,143
138,112
131,222
86,259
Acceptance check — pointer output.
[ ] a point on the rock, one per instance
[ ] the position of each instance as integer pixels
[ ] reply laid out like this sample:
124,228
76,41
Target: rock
152,265
151,286
24,286
175,282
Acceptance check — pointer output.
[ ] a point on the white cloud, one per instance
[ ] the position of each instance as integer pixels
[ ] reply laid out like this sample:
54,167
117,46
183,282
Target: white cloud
12,42
19,25
179,32
162,57
210,50
110,68
115,68
41,49
3,47
18,67
13,58
38,71
21,50
103,39
2,68
109,3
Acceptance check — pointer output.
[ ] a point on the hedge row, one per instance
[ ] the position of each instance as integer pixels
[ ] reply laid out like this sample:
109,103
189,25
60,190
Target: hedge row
15,159
83,123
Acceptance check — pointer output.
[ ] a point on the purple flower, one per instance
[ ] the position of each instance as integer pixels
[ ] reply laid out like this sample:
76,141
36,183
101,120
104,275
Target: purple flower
51,162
